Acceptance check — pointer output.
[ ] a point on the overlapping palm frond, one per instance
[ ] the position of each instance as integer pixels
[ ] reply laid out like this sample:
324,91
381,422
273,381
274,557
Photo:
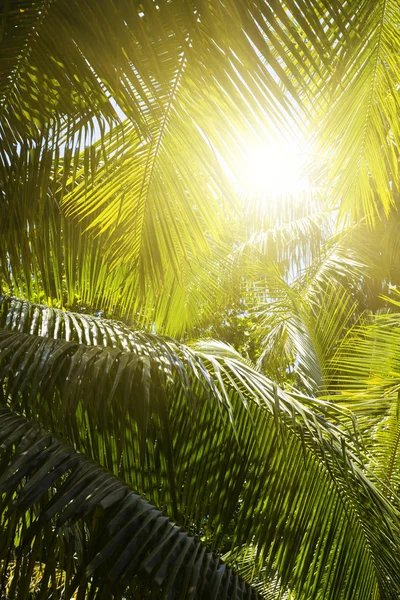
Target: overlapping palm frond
172,70
281,238
212,442
88,531
59,258
119,124
191,82
300,323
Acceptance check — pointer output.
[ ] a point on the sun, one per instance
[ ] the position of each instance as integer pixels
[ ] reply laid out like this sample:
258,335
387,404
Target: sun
274,169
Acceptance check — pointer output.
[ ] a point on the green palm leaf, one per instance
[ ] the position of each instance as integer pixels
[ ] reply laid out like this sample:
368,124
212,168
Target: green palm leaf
65,510
365,375
215,444
360,124
190,80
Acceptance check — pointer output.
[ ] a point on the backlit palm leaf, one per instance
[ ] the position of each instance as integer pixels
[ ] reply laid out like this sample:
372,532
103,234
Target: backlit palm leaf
361,128
193,81
301,322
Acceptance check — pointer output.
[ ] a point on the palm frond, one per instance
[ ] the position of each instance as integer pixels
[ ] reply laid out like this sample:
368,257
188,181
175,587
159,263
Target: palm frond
300,323
365,373
150,188
46,252
18,22
65,512
219,447
361,124
290,231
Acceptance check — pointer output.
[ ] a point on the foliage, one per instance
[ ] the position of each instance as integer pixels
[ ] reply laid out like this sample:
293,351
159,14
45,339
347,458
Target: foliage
268,427
61,503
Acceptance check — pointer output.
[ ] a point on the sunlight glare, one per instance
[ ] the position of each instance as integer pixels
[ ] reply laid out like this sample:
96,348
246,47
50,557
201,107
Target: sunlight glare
275,170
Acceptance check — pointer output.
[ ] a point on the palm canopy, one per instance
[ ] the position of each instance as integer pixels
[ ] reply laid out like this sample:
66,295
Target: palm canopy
124,129
109,129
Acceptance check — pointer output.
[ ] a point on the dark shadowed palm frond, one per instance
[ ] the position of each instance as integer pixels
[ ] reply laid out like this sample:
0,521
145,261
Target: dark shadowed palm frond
88,531
216,445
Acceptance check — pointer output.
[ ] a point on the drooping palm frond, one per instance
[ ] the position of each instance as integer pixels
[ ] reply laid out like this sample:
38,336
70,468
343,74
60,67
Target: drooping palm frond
360,127
162,214
301,322
89,531
219,447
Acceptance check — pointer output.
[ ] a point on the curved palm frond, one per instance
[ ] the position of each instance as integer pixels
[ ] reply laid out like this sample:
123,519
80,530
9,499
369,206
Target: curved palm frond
65,510
219,447
300,323
360,127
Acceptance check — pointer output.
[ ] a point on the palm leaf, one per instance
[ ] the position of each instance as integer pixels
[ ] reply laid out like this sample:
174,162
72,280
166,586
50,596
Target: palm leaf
216,444
360,124
289,230
301,322
65,510
189,79
365,375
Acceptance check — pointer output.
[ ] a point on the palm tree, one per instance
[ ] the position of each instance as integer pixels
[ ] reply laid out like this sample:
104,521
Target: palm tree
130,462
